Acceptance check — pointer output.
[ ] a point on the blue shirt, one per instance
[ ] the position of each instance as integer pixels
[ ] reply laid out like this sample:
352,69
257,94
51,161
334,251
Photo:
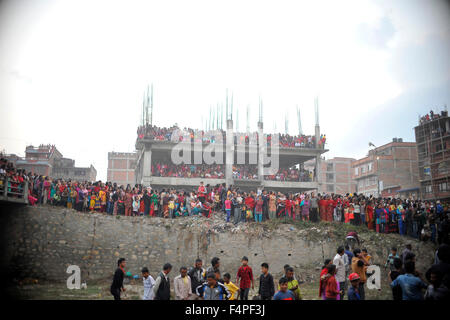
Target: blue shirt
349,255
411,286
353,294
288,295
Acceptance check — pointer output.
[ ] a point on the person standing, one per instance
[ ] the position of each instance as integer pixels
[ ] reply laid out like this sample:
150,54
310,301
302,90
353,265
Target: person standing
314,207
161,290
182,285
245,274
201,192
149,282
197,275
339,262
259,209
266,285
272,206
359,266
411,285
117,284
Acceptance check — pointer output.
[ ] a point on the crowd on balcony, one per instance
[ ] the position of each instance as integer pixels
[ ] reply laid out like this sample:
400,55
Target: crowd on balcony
213,136
291,174
214,171
245,172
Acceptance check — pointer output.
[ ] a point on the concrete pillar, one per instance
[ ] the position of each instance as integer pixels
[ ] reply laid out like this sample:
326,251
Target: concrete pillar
146,166
261,151
317,135
229,154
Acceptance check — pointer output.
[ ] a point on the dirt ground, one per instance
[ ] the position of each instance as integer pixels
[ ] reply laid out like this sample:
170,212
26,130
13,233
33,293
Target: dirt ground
134,291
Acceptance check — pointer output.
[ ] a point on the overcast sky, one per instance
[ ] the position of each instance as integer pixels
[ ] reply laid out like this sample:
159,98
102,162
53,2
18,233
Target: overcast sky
73,73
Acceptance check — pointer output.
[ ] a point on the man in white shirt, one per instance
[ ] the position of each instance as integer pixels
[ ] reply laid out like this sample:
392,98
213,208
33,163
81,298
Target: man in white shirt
339,262
182,285
149,283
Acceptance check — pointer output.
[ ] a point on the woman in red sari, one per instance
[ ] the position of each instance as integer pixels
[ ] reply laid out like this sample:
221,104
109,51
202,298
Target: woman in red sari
322,278
370,217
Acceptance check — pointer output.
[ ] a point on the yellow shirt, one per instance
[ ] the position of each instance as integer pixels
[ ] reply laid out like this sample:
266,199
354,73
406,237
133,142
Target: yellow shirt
233,289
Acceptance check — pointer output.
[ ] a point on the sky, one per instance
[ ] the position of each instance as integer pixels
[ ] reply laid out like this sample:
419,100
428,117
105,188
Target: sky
73,73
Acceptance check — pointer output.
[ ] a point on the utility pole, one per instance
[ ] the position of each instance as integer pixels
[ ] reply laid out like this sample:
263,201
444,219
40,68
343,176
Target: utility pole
151,107
248,118
300,131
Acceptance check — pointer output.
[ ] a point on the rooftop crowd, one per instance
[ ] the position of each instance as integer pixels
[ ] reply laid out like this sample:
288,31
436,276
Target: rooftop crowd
212,136
432,116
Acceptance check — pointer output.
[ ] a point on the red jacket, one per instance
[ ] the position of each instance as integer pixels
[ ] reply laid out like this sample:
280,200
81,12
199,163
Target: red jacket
250,202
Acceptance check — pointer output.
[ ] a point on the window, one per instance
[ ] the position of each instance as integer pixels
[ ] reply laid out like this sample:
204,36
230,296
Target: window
330,187
443,187
329,167
356,171
330,177
428,189
370,166
363,169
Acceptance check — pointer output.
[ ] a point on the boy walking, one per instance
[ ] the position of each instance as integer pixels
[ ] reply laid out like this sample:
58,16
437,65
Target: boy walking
234,289
245,274
148,282
117,284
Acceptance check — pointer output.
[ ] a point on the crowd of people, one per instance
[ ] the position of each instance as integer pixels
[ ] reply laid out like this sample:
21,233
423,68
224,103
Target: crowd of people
431,116
239,172
424,220
291,174
215,171
212,136
343,277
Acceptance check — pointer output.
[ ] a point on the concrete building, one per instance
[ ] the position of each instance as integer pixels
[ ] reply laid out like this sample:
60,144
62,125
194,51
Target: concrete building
152,151
121,167
433,147
48,161
39,160
388,170
64,168
336,176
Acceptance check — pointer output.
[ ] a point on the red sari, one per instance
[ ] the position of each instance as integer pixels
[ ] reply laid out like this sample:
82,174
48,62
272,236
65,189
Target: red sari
323,209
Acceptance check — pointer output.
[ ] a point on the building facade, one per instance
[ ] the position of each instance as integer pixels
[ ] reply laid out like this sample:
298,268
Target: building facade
46,160
433,147
121,168
152,151
388,170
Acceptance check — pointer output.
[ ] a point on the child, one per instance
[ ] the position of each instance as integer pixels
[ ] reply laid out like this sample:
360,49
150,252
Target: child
283,293
149,283
353,293
266,285
390,259
245,273
135,205
332,291
171,208
366,255
234,290
228,208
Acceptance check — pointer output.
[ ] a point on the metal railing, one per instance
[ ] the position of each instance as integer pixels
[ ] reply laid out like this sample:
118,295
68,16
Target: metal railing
13,191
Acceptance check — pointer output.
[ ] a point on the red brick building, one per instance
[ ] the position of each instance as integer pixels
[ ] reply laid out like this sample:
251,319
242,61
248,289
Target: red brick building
433,146
121,167
388,170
